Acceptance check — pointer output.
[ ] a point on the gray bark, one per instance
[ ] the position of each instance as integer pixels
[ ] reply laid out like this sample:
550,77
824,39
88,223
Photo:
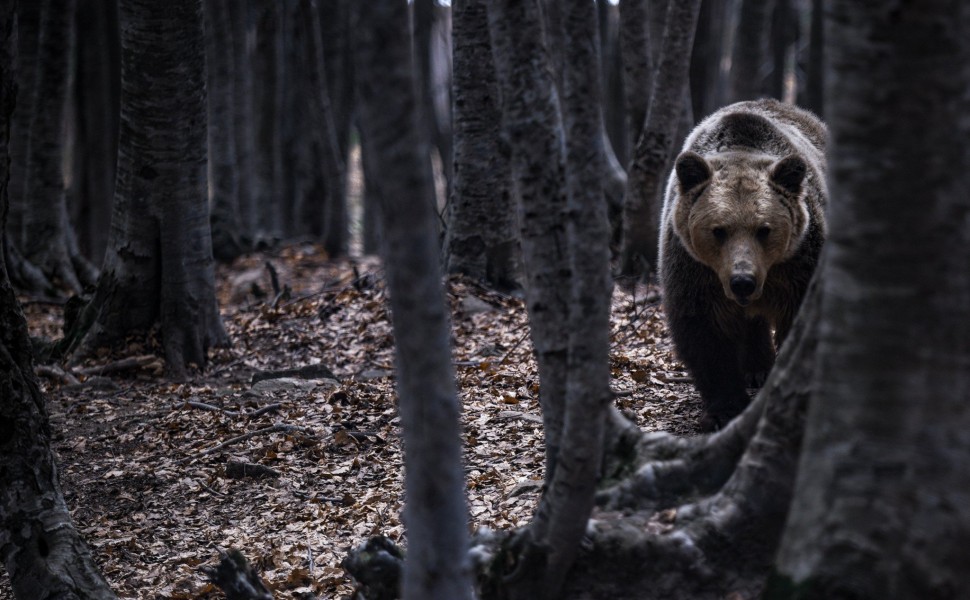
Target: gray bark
242,115
373,233
267,107
571,491
533,129
97,95
28,32
480,240
783,34
652,154
49,239
435,512
159,266
880,508
706,83
749,55
813,94
638,65
227,242
426,16
40,548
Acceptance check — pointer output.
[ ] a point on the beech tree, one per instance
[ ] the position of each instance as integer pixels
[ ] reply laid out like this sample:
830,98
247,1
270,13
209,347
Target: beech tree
159,264
40,548
435,513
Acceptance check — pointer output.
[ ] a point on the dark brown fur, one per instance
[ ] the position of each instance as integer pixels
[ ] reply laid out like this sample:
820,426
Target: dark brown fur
742,227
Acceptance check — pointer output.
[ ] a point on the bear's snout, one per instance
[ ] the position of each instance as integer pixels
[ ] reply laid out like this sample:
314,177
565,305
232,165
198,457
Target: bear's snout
742,286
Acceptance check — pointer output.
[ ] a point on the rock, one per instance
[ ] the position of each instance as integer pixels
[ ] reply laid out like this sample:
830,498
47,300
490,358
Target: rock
473,305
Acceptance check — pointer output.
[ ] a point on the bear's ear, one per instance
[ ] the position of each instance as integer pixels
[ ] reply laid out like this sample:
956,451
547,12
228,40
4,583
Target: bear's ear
789,173
692,171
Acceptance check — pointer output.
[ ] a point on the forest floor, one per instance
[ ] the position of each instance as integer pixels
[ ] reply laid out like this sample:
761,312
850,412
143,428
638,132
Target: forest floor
151,467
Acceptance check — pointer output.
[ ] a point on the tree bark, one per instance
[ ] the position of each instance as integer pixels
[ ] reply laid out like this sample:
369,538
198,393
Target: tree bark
706,85
655,145
159,266
49,239
533,127
267,107
480,240
638,65
749,54
238,13
815,69
227,232
436,566
880,508
41,550
97,95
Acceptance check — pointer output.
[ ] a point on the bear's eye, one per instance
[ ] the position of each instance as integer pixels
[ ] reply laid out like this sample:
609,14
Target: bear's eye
763,233
719,233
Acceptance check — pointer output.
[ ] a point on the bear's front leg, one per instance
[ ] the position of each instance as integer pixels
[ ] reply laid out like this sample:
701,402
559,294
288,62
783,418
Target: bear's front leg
714,359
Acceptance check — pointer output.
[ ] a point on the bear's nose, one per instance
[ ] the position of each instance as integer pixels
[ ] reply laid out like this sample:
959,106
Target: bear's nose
743,285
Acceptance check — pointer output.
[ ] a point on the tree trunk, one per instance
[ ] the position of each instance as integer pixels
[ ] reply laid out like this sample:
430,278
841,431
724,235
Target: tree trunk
373,233
49,239
426,15
638,65
267,108
749,54
880,508
706,87
227,240
533,128
97,95
655,145
159,268
41,550
480,240
328,180
815,68
242,115
435,511
783,35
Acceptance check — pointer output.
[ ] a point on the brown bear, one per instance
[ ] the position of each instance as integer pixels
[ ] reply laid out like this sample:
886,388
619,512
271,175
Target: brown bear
741,230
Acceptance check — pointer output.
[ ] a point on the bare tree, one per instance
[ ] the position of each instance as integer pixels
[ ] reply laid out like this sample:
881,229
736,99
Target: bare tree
41,550
49,238
159,265
880,509
480,240
652,154
749,54
435,510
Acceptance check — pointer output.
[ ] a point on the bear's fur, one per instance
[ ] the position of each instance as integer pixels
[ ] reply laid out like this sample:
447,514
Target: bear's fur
742,227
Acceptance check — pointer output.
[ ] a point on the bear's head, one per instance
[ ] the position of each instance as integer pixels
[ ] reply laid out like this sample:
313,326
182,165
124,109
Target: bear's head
740,213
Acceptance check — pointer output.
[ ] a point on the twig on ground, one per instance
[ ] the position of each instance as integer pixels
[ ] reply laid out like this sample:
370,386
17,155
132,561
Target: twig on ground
518,342
244,437
125,364
264,410
212,407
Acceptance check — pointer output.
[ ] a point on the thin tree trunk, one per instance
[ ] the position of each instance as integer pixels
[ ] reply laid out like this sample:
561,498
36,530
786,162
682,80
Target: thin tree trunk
815,77
426,13
49,240
436,516
227,242
159,266
880,508
782,39
571,492
706,58
40,548
242,115
638,65
268,103
750,52
373,233
481,239
655,145
533,127
97,94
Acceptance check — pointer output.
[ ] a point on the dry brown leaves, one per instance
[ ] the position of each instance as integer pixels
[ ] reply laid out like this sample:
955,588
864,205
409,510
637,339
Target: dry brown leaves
145,475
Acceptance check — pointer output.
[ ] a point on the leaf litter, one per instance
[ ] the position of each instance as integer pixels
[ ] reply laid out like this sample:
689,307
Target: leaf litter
151,467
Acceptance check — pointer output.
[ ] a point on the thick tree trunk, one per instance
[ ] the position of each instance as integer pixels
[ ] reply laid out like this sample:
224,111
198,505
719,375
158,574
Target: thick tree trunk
638,65
706,83
227,238
880,508
480,240
749,55
40,548
435,511
655,145
533,127
159,267
49,240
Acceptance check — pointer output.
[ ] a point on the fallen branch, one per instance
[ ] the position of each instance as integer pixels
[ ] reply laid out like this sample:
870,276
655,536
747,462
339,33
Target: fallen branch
264,410
57,374
238,470
212,407
125,364
246,436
